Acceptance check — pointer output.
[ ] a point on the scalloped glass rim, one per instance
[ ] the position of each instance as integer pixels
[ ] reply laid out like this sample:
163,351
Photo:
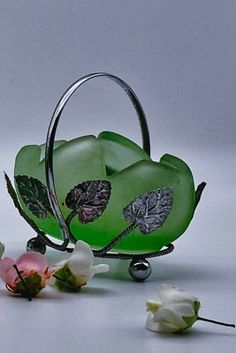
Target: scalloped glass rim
131,171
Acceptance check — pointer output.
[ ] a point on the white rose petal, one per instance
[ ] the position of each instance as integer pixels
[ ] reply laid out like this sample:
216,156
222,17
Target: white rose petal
171,294
169,313
153,305
152,325
81,259
99,269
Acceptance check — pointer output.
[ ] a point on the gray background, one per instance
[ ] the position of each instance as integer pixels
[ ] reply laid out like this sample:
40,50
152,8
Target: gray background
180,58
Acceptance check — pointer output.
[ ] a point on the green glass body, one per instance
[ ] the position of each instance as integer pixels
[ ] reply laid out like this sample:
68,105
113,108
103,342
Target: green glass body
131,172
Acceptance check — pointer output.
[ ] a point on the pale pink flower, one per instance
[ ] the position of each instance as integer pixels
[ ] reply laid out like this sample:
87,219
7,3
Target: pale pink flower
27,275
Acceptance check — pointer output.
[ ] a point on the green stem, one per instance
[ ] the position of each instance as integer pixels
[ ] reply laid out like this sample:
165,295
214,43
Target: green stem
216,322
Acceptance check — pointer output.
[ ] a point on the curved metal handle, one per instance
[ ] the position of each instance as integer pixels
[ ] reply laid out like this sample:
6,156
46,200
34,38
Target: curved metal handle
51,138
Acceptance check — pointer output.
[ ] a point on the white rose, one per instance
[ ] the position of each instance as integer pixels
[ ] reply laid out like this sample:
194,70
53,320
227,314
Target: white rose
176,311
78,269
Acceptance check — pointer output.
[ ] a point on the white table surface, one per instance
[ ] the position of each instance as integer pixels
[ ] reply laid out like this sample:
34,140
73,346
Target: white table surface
109,314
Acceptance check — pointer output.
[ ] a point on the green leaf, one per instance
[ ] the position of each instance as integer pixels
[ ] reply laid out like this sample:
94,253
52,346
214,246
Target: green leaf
65,281
34,195
190,320
150,210
30,287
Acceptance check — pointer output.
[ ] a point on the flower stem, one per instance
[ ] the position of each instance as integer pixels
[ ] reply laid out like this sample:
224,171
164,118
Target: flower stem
23,282
216,322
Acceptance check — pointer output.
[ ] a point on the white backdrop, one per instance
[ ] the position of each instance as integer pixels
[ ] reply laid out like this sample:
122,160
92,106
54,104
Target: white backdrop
179,57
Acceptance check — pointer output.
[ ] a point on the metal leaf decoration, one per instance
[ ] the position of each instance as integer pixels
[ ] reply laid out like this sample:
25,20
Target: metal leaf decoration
150,210
34,195
89,199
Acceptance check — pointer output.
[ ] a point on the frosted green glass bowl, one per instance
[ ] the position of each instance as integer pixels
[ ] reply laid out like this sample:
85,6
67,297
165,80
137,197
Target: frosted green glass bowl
131,173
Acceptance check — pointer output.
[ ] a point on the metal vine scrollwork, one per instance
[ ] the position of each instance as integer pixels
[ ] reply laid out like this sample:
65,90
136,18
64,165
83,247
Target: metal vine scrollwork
88,200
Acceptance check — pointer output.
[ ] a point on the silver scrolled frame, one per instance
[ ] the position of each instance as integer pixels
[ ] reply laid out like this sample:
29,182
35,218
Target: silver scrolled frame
51,134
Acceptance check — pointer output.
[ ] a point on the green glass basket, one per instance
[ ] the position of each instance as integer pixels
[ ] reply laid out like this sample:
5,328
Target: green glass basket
105,190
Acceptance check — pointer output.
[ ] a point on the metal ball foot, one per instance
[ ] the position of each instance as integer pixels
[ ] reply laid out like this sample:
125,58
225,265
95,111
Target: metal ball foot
140,269
36,244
